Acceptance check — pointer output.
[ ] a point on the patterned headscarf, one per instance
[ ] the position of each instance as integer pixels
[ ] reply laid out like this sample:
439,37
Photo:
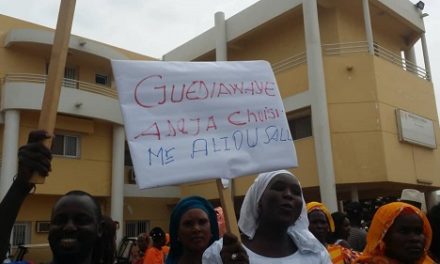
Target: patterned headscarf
248,222
312,206
192,202
383,219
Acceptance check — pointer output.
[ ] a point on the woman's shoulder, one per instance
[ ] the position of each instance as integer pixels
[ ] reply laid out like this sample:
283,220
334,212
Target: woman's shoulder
212,253
212,256
297,257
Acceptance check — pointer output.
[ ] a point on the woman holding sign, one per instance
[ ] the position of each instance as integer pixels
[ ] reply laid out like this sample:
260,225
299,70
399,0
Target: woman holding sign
273,219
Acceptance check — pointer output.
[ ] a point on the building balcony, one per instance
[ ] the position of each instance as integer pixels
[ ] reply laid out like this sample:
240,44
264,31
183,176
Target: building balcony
347,48
26,90
67,83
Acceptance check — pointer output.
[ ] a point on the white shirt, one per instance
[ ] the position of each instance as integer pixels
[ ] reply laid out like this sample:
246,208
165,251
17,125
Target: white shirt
212,256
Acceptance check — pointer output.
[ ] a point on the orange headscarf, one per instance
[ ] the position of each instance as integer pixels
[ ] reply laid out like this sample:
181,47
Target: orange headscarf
312,206
383,219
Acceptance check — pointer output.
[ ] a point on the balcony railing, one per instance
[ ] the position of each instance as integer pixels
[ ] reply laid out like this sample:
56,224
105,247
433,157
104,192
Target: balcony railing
289,62
379,51
68,83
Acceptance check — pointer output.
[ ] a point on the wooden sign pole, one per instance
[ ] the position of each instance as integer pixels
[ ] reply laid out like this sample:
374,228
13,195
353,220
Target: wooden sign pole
56,73
228,208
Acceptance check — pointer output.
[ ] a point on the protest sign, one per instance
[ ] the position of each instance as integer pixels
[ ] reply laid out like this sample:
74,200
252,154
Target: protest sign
192,121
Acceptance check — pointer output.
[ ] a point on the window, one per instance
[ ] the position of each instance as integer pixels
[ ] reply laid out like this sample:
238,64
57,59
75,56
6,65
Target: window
70,76
65,145
42,226
300,123
21,233
101,79
134,228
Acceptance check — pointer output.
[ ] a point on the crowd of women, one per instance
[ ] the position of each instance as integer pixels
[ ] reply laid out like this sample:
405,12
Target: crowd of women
276,224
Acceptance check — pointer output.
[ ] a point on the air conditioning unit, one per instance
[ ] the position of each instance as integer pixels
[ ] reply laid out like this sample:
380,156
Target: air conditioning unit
42,226
131,176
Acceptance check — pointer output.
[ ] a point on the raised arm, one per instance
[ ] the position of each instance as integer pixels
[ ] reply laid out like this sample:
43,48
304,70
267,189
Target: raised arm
32,157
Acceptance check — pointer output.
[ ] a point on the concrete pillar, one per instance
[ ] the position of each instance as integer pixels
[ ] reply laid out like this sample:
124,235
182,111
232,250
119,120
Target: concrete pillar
117,194
320,122
354,194
368,27
426,57
10,147
221,43
410,56
433,198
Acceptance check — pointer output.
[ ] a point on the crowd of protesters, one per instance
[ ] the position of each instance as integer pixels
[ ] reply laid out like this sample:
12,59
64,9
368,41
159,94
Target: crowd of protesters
276,224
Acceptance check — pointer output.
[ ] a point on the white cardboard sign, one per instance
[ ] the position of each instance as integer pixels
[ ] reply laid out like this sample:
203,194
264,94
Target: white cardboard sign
192,121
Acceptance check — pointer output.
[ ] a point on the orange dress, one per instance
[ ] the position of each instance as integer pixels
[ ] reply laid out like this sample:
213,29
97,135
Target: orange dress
341,255
154,256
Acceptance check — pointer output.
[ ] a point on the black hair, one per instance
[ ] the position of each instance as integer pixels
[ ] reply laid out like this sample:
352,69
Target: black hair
97,210
157,234
354,213
338,219
105,252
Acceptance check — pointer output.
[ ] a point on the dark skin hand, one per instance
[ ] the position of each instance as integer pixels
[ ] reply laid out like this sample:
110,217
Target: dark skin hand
32,157
231,246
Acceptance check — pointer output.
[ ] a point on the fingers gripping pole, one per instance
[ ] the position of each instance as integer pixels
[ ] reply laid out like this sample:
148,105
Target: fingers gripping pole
228,208
56,73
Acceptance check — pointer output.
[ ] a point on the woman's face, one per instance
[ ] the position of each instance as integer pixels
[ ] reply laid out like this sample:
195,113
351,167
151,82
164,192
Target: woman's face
194,230
318,225
281,202
405,239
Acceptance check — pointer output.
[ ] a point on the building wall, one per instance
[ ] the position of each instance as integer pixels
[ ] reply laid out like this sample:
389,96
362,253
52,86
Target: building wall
350,25
206,189
37,208
155,210
306,171
283,37
363,127
292,81
18,60
90,172
362,93
328,23
400,89
353,115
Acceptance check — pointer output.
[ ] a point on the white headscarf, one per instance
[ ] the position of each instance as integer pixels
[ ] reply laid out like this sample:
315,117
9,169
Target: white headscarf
299,231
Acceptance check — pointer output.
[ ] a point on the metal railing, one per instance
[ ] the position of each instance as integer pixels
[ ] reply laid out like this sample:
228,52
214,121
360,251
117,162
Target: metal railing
331,49
379,51
396,59
68,83
345,48
289,62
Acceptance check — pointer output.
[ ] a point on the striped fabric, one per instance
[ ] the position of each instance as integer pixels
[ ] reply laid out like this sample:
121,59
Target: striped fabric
341,255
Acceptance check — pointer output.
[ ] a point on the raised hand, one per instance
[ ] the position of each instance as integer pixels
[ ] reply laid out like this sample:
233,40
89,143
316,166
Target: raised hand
232,251
34,156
